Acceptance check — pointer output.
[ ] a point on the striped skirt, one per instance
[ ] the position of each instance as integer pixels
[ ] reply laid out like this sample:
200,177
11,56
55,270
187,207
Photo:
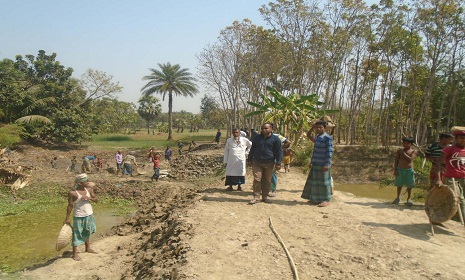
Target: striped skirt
318,185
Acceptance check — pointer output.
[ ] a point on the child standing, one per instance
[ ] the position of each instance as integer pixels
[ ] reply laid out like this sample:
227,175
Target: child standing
156,167
454,157
53,162
99,163
73,164
168,153
287,157
180,145
192,146
403,169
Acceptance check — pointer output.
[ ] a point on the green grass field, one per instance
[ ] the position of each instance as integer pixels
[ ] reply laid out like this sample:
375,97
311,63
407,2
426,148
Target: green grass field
142,140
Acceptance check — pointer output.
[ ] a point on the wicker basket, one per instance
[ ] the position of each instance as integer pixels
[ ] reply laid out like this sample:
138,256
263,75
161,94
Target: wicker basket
139,170
458,129
441,204
64,237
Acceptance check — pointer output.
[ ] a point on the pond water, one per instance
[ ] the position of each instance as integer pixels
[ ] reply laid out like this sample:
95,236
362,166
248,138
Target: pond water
29,239
387,193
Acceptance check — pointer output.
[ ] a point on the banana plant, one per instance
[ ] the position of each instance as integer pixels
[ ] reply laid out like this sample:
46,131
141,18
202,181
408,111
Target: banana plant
290,114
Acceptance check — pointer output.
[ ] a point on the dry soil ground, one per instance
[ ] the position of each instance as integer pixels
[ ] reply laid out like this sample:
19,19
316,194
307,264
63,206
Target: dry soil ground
189,229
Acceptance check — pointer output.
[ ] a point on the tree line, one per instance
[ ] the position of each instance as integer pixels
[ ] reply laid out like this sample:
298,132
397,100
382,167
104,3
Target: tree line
382,72
390,70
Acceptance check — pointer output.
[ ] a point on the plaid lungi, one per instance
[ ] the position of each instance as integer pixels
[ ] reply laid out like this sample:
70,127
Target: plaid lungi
318,185
83,227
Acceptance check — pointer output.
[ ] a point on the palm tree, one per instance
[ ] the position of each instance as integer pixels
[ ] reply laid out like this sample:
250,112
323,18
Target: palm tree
149,109
170,79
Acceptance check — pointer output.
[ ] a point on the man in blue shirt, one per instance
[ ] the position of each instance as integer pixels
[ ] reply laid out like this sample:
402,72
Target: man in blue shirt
265,155
318,185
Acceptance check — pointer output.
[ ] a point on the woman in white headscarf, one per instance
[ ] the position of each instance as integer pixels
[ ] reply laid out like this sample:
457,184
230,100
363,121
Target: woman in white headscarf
83,219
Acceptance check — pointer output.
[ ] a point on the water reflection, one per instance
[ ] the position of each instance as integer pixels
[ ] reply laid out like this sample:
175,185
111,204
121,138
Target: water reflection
29,239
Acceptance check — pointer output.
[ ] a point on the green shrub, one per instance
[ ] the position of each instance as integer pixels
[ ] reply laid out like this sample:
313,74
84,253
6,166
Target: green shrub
303,156
11,134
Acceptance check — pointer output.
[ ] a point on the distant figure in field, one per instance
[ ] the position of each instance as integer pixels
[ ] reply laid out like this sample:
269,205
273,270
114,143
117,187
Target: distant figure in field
128,161
53,162
168,153
99,163
156,167
180,145
73,164
85,167
192,146
235,160
403,169
119,162
218,136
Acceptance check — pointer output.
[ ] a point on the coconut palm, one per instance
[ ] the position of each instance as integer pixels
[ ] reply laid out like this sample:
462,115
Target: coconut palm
170,79
149,109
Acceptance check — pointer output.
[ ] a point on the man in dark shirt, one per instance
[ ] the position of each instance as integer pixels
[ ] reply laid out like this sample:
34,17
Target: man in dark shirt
434,151
265,155
218,136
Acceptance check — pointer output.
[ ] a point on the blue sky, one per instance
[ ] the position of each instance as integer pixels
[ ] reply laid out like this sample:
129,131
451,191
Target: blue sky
121,38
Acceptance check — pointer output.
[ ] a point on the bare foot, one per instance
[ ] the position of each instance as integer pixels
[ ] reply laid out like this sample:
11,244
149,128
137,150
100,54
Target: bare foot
76,257
323,204
91,251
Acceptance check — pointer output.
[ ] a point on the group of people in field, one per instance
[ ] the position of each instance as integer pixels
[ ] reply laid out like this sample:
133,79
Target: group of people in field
448,165
267,152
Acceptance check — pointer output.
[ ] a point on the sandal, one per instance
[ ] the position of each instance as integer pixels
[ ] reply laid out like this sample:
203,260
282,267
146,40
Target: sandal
396,201
239,188
254,201
409,203
273,194
229,189
266,200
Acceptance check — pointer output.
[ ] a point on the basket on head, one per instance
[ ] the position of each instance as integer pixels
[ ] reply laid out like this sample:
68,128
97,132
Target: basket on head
89,184
441,204
458,130
64,237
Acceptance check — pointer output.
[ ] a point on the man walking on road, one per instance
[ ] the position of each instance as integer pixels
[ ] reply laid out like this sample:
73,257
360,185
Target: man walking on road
265,155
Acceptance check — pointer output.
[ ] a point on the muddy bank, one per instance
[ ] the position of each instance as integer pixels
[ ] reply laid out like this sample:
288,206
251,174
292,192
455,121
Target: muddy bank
159,245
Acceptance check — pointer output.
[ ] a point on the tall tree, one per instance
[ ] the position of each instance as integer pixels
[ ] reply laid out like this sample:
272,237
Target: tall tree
170,79
98,84
149,109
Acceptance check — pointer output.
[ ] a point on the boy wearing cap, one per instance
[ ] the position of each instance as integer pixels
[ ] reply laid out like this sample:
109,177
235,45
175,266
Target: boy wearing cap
403,169
83,218
454,157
